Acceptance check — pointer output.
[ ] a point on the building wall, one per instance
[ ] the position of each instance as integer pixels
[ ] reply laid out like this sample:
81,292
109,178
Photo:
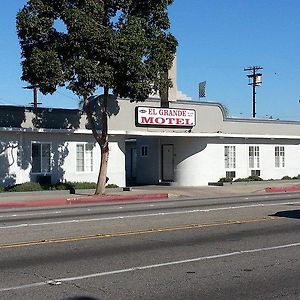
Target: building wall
201,160
16,165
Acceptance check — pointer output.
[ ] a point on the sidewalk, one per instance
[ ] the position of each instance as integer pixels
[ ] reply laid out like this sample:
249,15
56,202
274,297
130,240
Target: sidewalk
140,193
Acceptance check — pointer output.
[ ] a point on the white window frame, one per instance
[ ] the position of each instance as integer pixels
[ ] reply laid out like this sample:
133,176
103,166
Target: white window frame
41,158
144,151
279,156
88,161
230,157
254,157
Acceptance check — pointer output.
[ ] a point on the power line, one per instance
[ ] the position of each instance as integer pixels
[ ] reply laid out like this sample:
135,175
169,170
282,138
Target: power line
255,79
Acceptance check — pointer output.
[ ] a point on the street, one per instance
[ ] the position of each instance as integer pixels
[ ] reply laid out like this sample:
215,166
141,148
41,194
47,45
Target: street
229,248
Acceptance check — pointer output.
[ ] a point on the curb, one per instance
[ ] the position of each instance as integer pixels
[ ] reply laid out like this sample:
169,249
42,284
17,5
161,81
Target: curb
83,200
282,189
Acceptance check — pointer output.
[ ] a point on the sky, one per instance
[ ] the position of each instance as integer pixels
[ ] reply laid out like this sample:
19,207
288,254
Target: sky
217,40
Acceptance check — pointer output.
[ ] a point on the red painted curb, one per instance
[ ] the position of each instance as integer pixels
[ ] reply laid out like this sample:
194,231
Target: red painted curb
282,189
83,200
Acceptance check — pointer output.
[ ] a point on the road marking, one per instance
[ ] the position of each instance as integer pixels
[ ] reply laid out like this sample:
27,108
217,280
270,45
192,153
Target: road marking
132,233
31,215
148,215
148,267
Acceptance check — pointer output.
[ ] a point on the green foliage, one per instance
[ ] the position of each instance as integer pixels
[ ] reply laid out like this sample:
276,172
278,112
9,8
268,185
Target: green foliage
225,179
112,185
250,178
121,45
290,178
24,187
33,186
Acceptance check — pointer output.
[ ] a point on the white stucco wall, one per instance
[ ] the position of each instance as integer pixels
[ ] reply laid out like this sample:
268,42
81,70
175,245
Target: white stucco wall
199,161
15,157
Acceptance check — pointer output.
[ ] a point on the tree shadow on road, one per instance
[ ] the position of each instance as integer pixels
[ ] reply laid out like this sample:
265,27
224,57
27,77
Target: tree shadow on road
294,214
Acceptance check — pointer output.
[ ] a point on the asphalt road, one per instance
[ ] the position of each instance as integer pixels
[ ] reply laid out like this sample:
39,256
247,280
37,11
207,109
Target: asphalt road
230,248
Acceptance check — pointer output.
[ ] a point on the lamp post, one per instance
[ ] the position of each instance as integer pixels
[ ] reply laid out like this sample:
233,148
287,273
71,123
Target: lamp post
255,79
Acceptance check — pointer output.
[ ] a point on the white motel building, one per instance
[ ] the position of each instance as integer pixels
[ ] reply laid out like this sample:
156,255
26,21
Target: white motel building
187,144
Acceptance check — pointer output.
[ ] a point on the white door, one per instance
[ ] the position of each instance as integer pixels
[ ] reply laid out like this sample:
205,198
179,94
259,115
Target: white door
167,162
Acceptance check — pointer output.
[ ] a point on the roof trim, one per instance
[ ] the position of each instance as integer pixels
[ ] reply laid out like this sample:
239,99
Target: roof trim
185,134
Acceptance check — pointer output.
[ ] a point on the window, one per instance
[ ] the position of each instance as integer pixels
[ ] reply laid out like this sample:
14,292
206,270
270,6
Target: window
84,157
144,151
279,157
41,157
229,154
230,174
253,157
255,172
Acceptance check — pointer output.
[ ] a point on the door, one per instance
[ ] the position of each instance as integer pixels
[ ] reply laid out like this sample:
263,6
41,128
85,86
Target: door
167,162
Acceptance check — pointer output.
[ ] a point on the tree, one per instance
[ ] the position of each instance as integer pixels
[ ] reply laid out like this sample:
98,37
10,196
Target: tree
122,46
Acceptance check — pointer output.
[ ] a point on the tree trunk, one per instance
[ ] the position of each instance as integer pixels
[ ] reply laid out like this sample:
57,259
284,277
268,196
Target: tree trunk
102,140
100,189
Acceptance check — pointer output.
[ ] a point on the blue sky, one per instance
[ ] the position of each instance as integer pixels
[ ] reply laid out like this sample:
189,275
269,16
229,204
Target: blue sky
217,40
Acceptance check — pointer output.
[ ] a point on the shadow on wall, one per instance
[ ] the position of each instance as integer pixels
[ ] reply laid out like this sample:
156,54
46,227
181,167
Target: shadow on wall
112,109
7,159
16,156
294,214
12,116
56,119
191,147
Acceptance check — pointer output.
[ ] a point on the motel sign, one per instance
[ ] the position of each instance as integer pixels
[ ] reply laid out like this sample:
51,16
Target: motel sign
165,117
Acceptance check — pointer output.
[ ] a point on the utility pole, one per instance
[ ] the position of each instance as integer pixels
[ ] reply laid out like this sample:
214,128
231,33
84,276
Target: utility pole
35,94
255,79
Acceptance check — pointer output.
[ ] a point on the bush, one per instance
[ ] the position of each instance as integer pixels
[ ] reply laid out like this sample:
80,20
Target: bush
33,186
112,185
24,187
83,185
250,178
225,179
241,180
286,178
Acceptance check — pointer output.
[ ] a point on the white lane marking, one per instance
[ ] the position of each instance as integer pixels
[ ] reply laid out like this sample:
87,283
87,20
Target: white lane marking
31,215
147,267
148,215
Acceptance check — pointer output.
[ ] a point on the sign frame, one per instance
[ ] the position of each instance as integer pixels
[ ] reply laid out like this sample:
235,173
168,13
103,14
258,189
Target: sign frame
161,117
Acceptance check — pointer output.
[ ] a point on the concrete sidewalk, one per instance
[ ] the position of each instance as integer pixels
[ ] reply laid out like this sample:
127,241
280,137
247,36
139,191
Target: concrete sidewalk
140,193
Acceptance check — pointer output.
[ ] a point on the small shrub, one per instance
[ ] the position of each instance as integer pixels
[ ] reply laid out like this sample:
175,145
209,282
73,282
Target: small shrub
241,180
286,178
24,187
254,178
112,185
250,178
83,185
225,179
